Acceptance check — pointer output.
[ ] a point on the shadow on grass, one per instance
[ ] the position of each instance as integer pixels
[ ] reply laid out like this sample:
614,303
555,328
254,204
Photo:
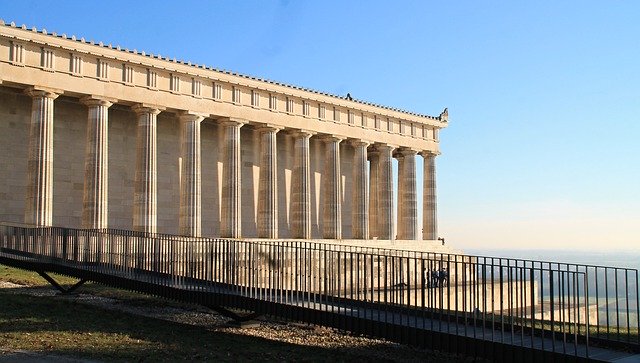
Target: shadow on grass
64,327
31,279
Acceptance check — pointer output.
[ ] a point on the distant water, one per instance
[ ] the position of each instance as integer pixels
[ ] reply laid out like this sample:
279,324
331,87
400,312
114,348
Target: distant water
620,258
625,296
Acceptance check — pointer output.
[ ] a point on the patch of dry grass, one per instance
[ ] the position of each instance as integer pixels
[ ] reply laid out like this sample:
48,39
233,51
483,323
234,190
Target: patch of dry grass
66,327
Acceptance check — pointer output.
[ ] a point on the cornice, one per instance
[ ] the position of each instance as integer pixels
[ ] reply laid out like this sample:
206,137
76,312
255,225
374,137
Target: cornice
157,61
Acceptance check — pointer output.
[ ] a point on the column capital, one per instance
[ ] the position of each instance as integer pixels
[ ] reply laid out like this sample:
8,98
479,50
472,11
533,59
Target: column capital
300,133
93,100
232,121
428,153
405,151
331,138
383,146
373,152
38,91
359,142
143,108
268,128
188,116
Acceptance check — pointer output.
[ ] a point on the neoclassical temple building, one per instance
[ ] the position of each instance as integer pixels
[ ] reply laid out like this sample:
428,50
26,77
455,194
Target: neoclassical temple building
95,136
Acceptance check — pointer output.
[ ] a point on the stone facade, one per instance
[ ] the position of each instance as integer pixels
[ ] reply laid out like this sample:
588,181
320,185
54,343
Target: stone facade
95,136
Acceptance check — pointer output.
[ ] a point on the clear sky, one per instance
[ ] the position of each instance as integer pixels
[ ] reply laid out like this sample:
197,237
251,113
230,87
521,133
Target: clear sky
544,97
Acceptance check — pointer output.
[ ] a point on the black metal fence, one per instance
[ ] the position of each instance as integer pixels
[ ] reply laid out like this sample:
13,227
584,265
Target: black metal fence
561,307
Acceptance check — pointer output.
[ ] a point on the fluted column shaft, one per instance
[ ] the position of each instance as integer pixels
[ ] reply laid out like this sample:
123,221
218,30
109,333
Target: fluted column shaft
190,185
145,200
231,180
95,211
399,209
268,184
301,196
386,225
374,167
360,197
332,208
408,199
39,199
429,203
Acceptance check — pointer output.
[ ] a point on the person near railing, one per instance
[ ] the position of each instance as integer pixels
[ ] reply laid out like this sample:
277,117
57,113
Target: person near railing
443,276
434,278
426,281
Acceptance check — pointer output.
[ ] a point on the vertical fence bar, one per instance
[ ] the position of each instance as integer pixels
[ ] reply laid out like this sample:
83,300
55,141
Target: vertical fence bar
552,310
617,303
637,284
606,293
575,327
502,313
532,299
586,306
595,274
626,294
493,296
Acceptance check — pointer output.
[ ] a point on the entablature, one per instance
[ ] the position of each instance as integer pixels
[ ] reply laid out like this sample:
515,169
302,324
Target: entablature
80,68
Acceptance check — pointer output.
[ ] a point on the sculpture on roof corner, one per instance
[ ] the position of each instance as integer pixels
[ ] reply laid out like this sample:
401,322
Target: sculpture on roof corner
444,115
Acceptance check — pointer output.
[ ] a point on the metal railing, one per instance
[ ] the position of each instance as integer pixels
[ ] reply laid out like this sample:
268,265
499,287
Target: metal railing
553,306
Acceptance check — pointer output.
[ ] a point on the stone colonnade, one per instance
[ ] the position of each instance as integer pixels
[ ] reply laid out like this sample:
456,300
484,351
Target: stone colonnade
372,215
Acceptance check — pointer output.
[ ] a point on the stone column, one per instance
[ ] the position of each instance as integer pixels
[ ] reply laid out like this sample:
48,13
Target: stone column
231,226
374,166
408,199
190,185
398,218
301,195
145,199
332,208
360,198
429,205
386,225
39,198
268,185
95,211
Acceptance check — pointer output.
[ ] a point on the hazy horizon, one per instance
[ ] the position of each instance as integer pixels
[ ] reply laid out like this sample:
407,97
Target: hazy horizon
608,258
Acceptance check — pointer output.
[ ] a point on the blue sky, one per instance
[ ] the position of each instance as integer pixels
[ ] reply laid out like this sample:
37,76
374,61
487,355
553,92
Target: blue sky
544,97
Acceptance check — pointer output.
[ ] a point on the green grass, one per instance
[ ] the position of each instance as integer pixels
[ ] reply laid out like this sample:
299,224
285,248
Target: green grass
32,279
62,326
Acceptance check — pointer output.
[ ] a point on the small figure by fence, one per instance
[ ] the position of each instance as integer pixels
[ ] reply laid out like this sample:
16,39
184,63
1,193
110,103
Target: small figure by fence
435,277
443,276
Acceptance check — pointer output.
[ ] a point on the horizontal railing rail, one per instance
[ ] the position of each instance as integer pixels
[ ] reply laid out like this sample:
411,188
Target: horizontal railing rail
547,305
